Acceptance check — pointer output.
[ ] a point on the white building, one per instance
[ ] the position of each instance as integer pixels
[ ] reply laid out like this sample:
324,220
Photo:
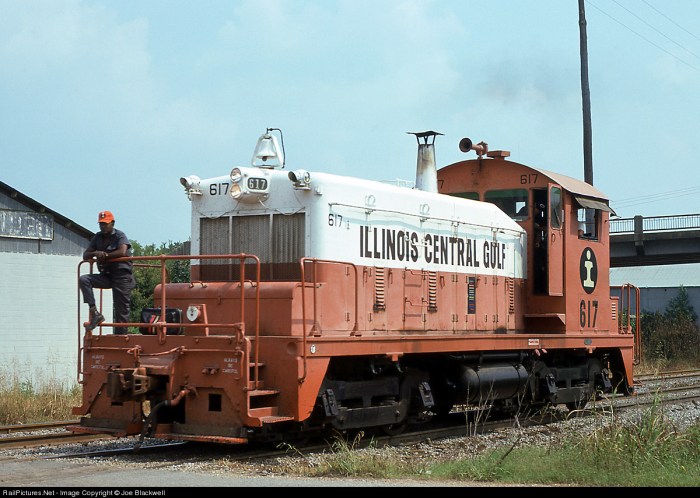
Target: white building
39,255
659,284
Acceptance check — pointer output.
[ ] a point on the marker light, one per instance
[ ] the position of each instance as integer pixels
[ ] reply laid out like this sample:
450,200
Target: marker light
301,178
191,184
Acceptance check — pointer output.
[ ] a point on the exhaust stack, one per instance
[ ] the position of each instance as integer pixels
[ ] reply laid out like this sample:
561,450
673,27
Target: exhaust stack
426,170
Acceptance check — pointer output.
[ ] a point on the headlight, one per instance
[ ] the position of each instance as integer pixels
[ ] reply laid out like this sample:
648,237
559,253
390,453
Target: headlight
236,175
249,185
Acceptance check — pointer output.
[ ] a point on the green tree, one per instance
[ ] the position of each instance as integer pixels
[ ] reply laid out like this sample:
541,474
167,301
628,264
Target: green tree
680,309
148,274
674,335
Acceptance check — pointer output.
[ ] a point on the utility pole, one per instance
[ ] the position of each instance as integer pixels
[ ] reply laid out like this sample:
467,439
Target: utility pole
586,97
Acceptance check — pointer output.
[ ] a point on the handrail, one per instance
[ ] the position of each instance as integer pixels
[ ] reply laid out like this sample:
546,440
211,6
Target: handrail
80,347
314,262
631,327
655,223
162,326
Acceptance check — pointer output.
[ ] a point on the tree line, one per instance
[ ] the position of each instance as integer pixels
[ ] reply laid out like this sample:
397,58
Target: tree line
671,336
148,276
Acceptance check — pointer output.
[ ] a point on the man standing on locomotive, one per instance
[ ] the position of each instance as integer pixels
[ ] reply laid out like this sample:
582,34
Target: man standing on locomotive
107,244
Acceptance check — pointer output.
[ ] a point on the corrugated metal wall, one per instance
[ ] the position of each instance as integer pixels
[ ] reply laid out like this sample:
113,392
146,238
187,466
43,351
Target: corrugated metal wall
65,241
659,284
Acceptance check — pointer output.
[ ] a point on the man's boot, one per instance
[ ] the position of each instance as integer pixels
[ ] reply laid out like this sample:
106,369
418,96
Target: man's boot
96,318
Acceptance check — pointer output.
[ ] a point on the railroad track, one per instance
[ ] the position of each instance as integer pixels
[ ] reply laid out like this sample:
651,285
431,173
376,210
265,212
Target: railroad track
458,424
675,374
9,429
42,434
55,434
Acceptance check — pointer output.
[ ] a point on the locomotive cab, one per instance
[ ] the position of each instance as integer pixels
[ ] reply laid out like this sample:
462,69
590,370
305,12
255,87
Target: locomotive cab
567,289
567,224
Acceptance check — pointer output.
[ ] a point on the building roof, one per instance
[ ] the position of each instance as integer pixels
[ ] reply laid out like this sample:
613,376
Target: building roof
686,274
40,208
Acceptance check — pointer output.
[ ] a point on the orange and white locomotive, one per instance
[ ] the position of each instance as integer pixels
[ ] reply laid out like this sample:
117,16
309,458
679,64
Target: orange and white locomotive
322,301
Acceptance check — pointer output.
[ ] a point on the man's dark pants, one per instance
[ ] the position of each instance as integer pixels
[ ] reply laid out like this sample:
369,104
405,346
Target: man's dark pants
121,294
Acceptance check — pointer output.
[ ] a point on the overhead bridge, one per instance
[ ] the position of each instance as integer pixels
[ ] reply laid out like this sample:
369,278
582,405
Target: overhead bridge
654,240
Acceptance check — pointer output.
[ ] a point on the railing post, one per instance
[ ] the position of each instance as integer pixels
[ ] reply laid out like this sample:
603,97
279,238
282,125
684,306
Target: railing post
639,234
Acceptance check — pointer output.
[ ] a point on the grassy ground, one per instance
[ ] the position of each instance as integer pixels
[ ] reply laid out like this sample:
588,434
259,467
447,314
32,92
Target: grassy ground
648,452
45,400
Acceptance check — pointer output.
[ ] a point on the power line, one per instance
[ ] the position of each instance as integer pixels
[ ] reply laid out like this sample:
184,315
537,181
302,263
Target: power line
682,190
674,22
657,30
661,196
657,197
642,37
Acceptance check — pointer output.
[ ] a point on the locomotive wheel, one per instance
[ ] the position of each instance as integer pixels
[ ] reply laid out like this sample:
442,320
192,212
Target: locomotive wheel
594,370
395,429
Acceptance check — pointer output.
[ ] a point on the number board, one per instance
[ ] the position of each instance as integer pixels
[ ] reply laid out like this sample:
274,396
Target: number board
255,183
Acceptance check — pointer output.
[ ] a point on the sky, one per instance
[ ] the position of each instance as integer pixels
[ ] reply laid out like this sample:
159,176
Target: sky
104,105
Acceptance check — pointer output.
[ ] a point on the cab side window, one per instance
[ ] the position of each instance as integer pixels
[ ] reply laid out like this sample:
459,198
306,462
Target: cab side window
588,223
556,211
513,202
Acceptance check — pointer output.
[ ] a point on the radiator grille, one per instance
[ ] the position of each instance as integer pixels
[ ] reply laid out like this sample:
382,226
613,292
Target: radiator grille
251,235
214,239
277,240
288,238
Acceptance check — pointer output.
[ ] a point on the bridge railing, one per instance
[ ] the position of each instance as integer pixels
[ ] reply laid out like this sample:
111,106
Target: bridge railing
655,223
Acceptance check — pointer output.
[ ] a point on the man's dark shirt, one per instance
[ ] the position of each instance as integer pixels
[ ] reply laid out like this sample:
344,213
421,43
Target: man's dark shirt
109,244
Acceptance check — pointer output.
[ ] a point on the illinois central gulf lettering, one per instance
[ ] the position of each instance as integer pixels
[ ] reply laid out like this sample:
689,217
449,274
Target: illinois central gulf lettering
494,255
460,251
405,245
384,243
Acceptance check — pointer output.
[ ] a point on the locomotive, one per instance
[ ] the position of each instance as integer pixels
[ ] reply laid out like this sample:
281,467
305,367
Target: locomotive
318,301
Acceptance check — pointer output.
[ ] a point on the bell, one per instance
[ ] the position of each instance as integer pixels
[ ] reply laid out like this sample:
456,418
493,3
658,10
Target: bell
265,148
268,149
